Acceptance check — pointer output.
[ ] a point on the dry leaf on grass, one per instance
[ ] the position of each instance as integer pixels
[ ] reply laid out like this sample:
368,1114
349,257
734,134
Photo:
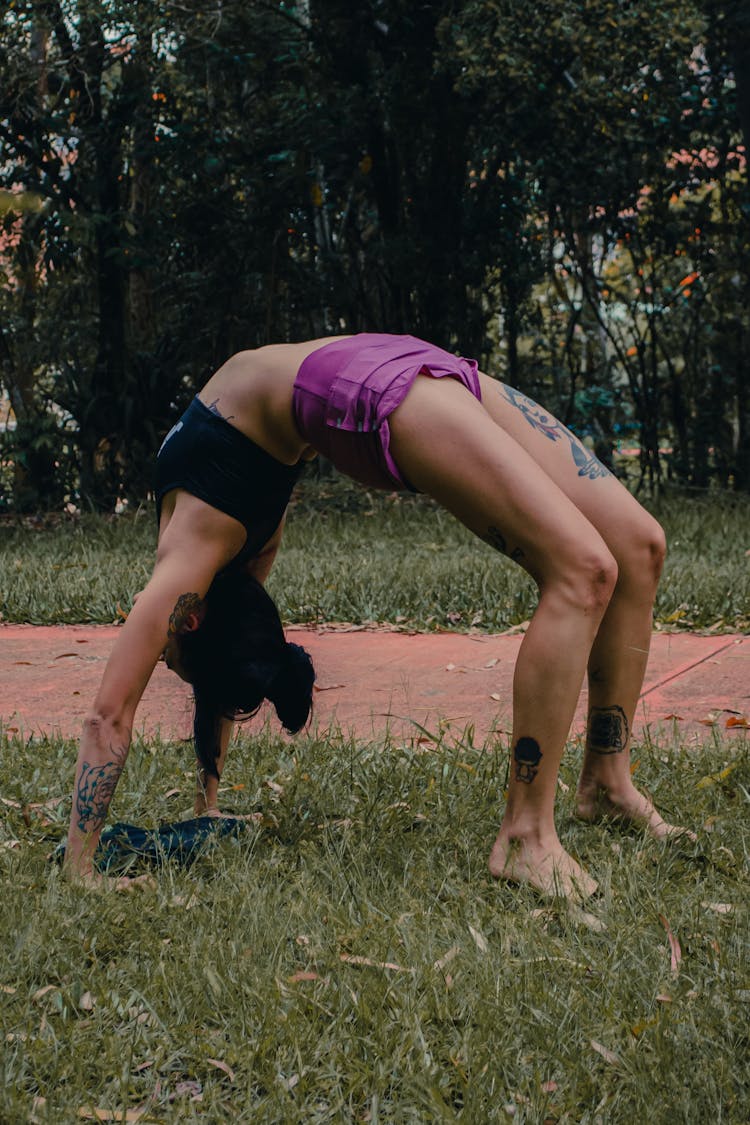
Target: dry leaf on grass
607,1055
585,918
224,1067
713,778
719,907
111,1114
446,959
302,975
40,992
352,959
38,1105
638,1028
674,946
479,940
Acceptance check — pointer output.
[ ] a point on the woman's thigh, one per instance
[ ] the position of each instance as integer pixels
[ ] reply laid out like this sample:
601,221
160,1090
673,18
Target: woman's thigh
452,447
606,503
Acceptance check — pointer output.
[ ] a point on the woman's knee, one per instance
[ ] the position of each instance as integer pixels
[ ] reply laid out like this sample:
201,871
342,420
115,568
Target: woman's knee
586,582
641,560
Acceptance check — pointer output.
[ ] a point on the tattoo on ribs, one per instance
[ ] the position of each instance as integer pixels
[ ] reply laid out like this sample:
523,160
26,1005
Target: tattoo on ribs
214,408
587,464
496,539
185,605
608,730
96,785
527,757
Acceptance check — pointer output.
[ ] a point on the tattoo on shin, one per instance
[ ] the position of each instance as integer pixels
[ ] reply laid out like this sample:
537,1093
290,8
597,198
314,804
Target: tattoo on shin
587,464
184,606
96,784
608,730
496,539
527,756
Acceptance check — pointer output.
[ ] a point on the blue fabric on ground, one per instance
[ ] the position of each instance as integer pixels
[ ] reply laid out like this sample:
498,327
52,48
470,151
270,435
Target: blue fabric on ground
182,841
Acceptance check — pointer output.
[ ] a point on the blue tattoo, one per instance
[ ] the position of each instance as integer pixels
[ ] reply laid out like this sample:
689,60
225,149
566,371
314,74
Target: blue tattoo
96,784
588,465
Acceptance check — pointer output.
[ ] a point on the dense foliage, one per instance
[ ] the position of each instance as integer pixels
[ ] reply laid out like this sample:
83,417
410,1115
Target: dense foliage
560,190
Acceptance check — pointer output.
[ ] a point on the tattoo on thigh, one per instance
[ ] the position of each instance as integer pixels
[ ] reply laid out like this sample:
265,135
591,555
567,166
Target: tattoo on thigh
496,539
527,756
608,730
96,784
185,605
587,464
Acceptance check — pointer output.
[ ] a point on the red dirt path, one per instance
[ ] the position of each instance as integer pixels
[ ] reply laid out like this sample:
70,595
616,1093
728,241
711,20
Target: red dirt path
370,681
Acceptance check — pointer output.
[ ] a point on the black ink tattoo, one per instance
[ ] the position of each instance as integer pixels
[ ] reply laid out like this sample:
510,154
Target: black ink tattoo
496,539
185,605
214,408
527,756
96,784
608,730
588,465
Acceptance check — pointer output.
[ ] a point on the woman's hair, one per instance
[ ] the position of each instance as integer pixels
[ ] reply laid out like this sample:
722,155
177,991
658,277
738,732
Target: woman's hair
238,657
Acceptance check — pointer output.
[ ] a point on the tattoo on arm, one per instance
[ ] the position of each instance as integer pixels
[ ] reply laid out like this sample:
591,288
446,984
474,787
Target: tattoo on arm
185,605
608,730
496,539
588,465
527,756
96,784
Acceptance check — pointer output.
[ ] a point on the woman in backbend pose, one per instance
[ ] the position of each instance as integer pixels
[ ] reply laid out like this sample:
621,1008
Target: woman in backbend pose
391,412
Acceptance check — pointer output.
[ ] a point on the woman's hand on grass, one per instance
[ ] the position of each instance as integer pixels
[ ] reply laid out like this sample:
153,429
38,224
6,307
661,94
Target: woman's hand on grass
121,884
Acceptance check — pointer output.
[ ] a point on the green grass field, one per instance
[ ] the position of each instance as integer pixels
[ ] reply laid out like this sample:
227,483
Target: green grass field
349,958
350,555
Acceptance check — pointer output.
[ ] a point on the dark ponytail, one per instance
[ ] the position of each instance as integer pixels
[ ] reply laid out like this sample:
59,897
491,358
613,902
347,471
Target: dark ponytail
237,658
291,689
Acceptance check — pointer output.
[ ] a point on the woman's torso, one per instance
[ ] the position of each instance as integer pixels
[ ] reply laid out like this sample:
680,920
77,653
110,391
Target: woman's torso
253,392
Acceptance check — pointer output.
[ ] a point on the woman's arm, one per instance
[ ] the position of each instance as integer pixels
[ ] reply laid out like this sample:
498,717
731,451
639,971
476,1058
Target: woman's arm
186,565
260,566
206,785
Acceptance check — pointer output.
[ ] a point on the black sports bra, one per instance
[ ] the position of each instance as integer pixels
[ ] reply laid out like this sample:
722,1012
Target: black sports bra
211,459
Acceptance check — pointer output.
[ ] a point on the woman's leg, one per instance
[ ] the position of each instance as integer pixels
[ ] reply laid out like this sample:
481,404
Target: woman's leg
619,654
449,446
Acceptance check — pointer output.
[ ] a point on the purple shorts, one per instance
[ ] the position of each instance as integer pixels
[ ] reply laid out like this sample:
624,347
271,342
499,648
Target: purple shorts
345,391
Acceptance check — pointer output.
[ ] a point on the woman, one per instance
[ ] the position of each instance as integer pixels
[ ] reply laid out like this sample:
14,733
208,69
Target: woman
392,412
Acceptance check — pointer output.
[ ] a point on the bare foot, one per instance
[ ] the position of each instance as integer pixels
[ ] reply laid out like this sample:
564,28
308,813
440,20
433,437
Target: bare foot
627,805
546,867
